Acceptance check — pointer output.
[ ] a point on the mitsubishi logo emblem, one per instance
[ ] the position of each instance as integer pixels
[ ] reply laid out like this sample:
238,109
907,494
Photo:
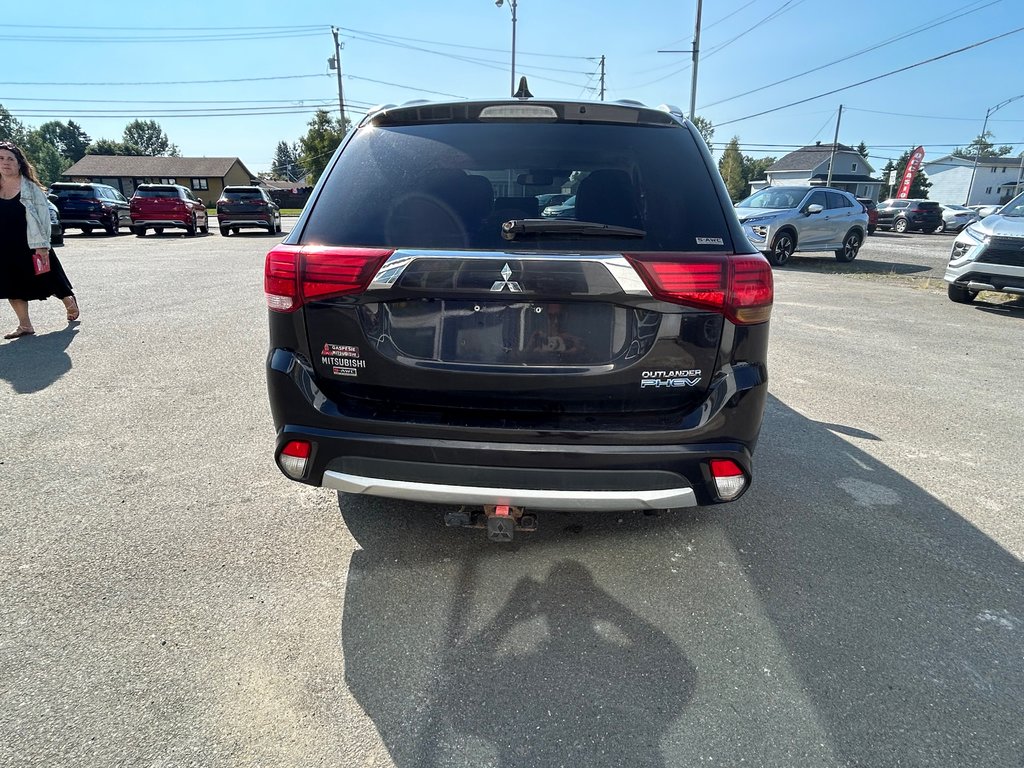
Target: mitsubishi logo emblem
499,285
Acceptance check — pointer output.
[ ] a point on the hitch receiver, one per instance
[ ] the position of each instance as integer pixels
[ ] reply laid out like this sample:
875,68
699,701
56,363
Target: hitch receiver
501,520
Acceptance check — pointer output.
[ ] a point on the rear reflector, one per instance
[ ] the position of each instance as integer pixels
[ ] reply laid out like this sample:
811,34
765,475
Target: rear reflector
294,457
740,287
729,478
296,274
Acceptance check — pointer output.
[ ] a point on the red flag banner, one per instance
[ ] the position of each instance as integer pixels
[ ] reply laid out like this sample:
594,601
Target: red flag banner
913,166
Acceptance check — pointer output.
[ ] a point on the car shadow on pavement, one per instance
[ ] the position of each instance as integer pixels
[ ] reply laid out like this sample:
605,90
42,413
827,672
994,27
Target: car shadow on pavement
1012,308
811,263
33,363
890,630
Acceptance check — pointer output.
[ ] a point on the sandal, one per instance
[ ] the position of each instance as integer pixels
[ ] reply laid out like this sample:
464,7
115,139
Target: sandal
72,307
18,332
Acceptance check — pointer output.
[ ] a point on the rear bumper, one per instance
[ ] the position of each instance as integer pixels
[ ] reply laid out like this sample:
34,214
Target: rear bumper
159,223
600,471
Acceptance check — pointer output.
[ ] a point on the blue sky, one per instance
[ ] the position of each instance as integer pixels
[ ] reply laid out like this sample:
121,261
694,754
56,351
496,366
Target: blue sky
402,50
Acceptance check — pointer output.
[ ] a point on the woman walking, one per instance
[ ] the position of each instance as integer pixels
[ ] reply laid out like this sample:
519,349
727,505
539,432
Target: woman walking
29,269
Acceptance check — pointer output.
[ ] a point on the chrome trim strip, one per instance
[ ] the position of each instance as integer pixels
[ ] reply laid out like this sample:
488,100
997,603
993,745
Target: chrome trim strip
244,223
618,267
595,501
158,223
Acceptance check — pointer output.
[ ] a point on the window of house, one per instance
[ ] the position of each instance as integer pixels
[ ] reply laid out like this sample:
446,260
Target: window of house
854,168
168,181
993,169
200,184
988,190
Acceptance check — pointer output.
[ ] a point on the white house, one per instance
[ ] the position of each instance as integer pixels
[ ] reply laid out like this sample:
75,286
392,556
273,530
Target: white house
808,167
996,179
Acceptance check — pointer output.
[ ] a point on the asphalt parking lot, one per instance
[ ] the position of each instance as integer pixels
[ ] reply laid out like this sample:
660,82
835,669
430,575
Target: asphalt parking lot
170,599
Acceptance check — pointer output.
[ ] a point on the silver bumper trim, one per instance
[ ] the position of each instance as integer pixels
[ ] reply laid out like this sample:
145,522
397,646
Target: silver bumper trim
595,501
244,223
158,223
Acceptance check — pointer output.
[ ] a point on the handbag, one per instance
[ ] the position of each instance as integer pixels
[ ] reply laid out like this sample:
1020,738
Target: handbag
41,263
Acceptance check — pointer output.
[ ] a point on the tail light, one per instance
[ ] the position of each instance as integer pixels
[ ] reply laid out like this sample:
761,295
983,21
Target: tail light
294,457
740,287
729,478
297,274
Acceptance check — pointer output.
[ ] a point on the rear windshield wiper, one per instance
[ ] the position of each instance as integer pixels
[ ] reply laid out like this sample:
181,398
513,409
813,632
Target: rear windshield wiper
511,229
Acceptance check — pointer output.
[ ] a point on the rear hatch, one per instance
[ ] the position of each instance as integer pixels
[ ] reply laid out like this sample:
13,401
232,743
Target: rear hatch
157,203
418,296
78,202
242,204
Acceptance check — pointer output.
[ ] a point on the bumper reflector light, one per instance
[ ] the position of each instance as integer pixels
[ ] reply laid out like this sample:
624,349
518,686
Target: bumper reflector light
294,457
729,478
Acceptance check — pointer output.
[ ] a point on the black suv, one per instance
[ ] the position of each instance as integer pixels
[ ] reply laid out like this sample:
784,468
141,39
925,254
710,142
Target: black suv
433,338
907,215
239,207
91,206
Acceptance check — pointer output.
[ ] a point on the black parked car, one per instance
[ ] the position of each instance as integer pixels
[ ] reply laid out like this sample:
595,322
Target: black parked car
908,215
432,338
240,207
56,230
91,206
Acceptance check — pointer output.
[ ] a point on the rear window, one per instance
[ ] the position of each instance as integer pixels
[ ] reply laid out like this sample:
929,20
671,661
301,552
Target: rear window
241,194
452,185
926,206
156,193
71,194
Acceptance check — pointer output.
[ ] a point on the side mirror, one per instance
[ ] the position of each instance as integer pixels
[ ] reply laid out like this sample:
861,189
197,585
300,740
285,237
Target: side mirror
814,208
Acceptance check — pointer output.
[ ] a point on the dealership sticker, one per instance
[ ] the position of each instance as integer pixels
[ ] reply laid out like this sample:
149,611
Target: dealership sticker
340,350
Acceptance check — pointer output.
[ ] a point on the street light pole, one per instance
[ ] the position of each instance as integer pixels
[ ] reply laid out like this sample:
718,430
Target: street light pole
984,128
696,59
512,5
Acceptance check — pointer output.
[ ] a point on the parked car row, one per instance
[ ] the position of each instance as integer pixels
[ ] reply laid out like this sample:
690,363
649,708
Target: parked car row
89,206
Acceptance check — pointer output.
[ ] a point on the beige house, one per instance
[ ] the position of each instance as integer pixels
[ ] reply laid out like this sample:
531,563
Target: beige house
205,176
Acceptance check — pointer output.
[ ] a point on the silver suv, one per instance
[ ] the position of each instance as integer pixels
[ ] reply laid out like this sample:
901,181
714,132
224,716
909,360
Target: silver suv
779,221
988,255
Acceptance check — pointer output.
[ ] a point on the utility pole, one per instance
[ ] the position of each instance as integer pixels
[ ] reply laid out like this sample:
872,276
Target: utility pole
696,57
601,95
335,64
835,143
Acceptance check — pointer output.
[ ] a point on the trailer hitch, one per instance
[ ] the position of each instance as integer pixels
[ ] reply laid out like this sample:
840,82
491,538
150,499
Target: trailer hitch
501,520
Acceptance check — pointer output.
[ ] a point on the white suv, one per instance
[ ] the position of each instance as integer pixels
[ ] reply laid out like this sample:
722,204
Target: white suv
779,221
988,255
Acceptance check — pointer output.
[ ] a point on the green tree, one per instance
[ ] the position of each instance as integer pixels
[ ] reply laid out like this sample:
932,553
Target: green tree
44,156
145,137
286,163
323,137
755,168
705,128
69,139
982,147
918,187
731,168
11,129
108,147
862,150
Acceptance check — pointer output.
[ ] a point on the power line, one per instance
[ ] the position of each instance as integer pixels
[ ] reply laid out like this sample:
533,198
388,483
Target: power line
455,45
784,8
173,82
936,22
877,77
209,38
933,117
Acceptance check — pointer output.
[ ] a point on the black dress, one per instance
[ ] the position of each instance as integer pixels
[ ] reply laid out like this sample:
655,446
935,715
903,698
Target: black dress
17,278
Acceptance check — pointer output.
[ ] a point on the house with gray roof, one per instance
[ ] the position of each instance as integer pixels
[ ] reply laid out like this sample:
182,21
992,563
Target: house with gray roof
205,176
808,167
995,181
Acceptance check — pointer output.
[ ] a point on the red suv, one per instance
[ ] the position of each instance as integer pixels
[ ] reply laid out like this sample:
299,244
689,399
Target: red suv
167,205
